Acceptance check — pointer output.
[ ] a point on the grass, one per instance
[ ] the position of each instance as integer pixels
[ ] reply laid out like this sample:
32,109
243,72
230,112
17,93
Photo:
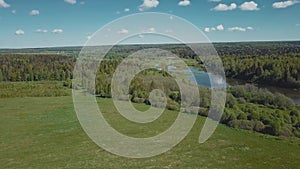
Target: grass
45,133
33,89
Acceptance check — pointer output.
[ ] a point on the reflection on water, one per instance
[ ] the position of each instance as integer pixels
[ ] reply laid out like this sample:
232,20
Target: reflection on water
203,80
297,101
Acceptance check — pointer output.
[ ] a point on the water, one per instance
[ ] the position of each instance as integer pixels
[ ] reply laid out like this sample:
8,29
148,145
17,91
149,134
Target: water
202,79
297,101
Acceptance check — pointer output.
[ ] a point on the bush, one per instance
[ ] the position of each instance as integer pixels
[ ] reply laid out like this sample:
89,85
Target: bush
138,100
242,124
172,105
273,128
241,115
294,113
230,101
203,112
286,131
228,116
258,126
175,96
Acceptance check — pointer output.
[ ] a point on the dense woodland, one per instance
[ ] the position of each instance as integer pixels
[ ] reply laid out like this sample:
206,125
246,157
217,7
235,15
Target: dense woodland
247,106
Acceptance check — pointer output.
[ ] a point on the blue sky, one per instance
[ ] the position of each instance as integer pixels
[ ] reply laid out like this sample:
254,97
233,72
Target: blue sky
43,23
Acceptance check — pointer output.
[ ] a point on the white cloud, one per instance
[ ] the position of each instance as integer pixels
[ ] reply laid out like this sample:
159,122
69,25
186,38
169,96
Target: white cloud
237,29
41,31
206,29
71,1
126,10
169,31
250,28
150,30
123,31
13,11
3,4
171,17
148,4
224,7
34,12
249,6
284,4
19,32
214,0
57,31
220,27
184,3
82,3
241,29
89,37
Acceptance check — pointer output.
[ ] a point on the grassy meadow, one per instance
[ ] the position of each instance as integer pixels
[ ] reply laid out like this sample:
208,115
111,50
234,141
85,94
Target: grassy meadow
43,132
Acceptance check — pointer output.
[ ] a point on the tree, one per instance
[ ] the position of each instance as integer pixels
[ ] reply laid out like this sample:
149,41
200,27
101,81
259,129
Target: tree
1,76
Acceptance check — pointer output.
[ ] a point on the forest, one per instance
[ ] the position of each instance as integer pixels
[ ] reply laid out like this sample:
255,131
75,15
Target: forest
247,107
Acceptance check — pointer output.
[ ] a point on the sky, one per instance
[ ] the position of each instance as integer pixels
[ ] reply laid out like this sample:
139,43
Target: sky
45,23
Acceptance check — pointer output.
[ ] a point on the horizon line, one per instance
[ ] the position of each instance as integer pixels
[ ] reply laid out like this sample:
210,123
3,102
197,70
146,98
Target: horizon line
129,44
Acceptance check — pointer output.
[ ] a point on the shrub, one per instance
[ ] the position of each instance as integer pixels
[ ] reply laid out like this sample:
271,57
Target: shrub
242,124
203,112
138,100
228,116
286,131
258,126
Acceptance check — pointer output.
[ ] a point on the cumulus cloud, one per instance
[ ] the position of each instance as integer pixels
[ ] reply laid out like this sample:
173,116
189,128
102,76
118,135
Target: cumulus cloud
237,29
224,7
88,37
284,4
34,12
126,10
57,31
184,3
3,4
249,6
151,30
220,27
241,29
123,31
206,29
41,31
71,1
250,28
148,4
19,32
13,11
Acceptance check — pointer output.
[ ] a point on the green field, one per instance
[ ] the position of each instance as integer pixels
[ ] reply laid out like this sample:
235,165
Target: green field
45,133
